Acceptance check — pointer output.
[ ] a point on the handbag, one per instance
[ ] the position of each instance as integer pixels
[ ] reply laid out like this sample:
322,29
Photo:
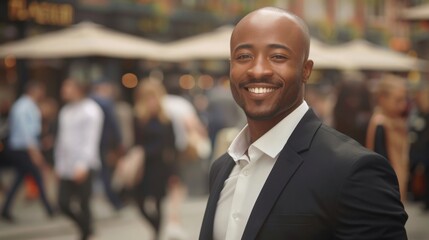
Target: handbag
129,169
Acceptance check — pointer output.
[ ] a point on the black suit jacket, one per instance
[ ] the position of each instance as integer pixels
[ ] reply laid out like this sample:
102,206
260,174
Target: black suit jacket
324,185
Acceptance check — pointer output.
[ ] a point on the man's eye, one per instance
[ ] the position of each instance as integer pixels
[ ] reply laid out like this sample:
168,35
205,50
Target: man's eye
243,57
279,57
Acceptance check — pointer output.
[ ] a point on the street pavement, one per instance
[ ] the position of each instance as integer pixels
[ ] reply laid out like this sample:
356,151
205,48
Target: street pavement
32,223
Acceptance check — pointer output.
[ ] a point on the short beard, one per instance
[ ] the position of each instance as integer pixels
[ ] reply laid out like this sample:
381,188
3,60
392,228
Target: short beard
262,117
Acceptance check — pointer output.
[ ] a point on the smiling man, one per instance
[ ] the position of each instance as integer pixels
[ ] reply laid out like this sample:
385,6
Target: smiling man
287,175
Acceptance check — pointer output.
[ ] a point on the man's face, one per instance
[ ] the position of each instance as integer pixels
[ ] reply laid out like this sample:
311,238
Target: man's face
69,91
39,93
268,66
395,102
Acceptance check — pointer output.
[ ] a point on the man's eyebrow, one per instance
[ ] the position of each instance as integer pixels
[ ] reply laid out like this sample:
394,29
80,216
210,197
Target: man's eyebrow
243,46
272,46
281,46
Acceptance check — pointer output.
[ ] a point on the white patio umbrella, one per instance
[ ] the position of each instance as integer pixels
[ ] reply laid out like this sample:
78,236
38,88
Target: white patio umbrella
211,45
216,45
324,57
361,54
420,12
83,39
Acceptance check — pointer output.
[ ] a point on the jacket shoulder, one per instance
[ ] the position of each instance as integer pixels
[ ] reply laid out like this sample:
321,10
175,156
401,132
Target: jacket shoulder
341,145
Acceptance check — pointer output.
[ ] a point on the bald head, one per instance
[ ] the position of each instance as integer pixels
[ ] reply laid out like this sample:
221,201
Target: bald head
291,25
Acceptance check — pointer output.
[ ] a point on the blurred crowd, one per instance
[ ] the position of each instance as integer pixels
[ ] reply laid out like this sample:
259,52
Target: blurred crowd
143,151
388,114
139,152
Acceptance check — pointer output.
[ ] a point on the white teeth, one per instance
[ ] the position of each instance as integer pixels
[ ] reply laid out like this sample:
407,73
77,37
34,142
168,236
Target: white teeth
261,90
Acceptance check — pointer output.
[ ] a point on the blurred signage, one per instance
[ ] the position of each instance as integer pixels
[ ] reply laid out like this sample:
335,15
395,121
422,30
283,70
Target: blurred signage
41,12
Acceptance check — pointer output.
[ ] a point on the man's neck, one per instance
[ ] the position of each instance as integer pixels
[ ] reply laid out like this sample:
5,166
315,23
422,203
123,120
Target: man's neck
77,99
257,127
30,96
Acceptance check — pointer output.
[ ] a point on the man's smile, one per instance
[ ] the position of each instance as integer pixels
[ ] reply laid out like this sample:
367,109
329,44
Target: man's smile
260,90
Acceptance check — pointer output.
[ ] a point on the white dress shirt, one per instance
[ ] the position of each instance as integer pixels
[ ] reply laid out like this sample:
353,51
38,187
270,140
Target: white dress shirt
78,141
254,163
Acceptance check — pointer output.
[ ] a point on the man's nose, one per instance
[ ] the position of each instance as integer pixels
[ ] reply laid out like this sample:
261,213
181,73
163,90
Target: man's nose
261,68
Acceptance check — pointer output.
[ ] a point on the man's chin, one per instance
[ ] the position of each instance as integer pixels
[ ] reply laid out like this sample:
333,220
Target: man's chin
261,116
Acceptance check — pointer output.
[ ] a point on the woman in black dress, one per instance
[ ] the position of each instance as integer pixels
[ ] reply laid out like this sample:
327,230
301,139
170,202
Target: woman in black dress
155,134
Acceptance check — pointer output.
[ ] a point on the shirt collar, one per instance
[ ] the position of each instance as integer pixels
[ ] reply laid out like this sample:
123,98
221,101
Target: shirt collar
273,141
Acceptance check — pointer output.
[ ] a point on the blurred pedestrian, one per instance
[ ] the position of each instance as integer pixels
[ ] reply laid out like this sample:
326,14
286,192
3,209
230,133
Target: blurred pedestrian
49,108
154,132
126,167
77,153
222,110
387,131
186,123
419,148
192,142
24,145
320,97
352,109
5,161
124,112
111,139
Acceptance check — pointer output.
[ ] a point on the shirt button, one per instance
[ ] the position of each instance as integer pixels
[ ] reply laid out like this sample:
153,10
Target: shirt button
236,216
246,172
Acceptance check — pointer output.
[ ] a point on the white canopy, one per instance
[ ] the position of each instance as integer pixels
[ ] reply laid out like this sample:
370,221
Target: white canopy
215,45
211,45
83,39
420,12
324,58
88,39
358,54
361,54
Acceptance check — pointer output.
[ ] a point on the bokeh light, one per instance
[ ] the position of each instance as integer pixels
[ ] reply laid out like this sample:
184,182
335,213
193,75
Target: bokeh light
129,80
187,81
205,82
10,61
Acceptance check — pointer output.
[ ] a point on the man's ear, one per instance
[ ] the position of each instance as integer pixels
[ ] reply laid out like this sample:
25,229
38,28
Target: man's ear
307,69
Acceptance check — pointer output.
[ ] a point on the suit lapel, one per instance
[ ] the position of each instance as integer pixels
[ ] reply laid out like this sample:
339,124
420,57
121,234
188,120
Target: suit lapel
285,167
287,164
208,220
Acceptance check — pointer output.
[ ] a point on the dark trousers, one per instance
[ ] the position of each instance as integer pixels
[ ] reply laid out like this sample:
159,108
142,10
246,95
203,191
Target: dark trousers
23,166
106,179
154,218
70,191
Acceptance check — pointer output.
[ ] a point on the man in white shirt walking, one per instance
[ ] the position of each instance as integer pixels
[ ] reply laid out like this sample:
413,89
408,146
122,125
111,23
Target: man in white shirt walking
77,152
